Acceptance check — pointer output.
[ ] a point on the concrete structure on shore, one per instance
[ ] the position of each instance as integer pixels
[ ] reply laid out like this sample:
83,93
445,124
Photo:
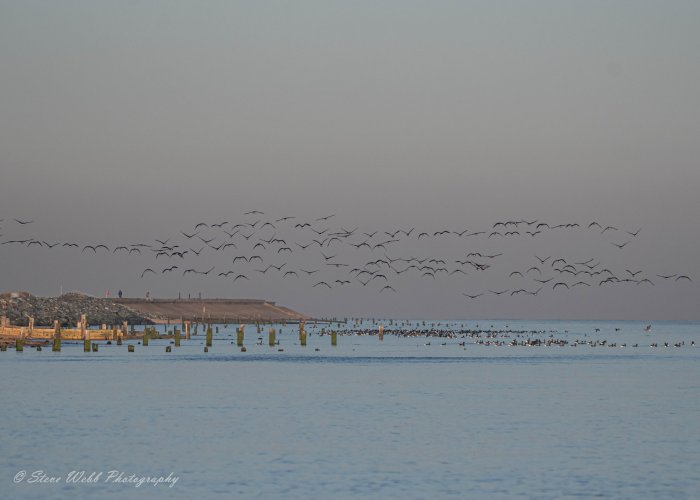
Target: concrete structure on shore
211,310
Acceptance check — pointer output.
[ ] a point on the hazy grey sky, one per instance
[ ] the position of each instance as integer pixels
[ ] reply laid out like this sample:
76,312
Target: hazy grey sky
133,120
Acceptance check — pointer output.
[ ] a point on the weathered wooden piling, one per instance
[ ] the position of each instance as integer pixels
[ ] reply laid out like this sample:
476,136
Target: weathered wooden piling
146,335
334,338
187,330
56,336
209,337
271,337
19,345
302,338
381,332
240,336
206,349
168,348
86,345
177,337
130,348
94,347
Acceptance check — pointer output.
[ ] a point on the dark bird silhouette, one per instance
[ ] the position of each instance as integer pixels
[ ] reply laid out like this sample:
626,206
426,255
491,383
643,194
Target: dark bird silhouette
620,245
23,222
253,212
542,261
683,277
321,283
168,269
498,293
189,236
326,217
472,296
666,277
613,228
241,276
147,270
515,272
309,272
290,273
634,234
633,274
560,283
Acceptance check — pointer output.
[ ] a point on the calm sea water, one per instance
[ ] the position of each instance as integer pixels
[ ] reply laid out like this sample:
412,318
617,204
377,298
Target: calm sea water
391,419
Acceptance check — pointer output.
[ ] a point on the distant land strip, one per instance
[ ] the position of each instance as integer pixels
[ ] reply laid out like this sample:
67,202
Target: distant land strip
217,310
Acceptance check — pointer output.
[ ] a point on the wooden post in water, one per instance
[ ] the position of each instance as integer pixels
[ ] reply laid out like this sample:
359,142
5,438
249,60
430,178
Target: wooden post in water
130,348
302,339
83,327
209,337
146,335
271,337
187,330
86,345
19,345
381,332
94,347
239,336
56,336
334,338
177,337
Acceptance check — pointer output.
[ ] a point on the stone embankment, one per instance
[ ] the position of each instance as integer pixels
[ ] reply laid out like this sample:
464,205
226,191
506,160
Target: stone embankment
66,308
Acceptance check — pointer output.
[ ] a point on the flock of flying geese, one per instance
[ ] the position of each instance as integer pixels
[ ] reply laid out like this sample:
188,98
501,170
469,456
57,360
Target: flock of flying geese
327,257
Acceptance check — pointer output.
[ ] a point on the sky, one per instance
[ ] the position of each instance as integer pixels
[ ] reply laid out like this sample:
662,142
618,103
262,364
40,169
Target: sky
122,122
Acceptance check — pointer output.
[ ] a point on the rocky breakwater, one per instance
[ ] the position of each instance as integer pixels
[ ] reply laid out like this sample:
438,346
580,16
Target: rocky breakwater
67,308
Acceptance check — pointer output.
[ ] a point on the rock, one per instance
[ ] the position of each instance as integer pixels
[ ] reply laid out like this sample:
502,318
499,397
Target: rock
67,308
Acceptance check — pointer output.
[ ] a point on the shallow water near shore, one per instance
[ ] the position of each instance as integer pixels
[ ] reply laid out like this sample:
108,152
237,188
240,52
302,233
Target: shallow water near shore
391,419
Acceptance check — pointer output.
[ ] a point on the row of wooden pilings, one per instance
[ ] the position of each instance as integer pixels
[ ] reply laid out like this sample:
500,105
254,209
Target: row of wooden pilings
118,334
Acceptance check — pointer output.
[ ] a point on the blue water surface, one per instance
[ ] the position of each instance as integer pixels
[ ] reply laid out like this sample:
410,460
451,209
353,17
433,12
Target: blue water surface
371,419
